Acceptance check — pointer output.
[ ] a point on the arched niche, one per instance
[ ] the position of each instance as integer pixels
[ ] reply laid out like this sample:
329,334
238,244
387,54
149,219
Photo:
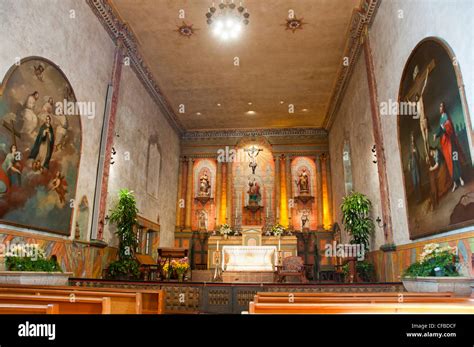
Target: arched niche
435,141
40,118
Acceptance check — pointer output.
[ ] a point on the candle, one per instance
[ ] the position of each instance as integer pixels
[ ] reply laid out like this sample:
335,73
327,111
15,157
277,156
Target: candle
217,244
279,244
267,211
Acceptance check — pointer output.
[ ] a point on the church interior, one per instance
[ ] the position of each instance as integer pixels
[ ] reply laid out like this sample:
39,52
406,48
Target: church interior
236,157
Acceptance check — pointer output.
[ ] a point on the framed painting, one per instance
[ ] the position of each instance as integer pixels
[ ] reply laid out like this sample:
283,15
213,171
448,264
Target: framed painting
40,146
435,142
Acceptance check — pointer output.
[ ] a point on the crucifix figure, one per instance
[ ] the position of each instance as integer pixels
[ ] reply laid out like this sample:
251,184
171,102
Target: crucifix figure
253,153
11,128
416,92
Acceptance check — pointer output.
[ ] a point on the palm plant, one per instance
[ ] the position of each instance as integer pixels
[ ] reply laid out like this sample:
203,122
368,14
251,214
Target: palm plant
356,218
124,216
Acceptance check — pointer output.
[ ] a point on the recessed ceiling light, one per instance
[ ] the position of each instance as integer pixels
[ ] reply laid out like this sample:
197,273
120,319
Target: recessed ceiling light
282,102
198,113
218,105
305,110
251,112
250,104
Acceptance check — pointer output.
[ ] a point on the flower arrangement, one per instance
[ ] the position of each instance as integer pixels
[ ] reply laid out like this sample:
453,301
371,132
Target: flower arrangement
435,261
225,229
30,257
278,230
181,266
176,267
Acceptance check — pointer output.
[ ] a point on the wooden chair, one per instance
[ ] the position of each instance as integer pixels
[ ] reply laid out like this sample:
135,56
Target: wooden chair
292,267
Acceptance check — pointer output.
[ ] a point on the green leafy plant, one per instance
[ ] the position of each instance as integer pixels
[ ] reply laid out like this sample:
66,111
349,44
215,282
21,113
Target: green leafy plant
30,257
365,270
435,261
388,247
356,218
124,216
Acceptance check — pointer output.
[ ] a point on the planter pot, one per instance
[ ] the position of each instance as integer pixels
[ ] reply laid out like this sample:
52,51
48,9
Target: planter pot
460,286
35,278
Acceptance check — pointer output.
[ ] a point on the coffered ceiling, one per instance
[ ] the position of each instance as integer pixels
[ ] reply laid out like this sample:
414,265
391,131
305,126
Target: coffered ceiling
277,67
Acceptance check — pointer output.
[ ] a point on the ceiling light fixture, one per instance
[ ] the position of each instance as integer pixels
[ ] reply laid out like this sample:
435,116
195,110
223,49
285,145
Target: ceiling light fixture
250,112
227,20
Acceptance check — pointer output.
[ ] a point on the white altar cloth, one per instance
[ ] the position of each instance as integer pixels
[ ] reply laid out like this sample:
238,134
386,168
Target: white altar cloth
249,258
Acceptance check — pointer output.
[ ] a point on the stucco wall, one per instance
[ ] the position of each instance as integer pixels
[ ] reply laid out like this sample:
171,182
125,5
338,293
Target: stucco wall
139,121
79,46
84,51
353,122
392,41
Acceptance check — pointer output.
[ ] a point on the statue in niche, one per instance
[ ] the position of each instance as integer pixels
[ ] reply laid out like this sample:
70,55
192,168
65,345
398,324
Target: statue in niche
254,193
303,182
204,185
305,220
202,220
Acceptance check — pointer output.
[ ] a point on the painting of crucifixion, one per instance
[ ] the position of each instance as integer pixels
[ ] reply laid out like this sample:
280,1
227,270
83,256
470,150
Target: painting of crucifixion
434,144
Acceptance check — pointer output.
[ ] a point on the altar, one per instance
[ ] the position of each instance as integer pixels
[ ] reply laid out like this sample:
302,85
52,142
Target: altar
249,252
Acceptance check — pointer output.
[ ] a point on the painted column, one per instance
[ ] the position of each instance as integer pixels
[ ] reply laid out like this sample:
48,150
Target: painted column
104,185
378,137
189,195
319,192
330,206
277,189
229,193
218,192
289,190
180,194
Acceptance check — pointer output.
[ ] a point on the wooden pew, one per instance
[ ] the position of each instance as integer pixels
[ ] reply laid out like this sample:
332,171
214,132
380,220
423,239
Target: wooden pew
356,308
315,298
124,300
28,309
66,305
355,294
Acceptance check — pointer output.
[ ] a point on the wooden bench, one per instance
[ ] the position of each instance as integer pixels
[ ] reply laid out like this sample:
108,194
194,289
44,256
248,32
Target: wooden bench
357,308
66,305
354,294
124,300
354,303
28,309
358,298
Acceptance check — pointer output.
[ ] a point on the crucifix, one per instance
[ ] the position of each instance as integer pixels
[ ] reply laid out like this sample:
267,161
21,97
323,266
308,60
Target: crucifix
253,153
11,128
416,91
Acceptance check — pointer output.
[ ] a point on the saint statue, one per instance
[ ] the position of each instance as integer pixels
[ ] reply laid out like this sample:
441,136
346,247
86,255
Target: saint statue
202,220
204,185
303,182
254,193
43,148
304,219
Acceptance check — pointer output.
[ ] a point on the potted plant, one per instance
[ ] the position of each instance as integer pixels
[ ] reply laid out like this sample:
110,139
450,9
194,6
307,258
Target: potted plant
225,230
28,264
278,230
124,216
437,270
358,223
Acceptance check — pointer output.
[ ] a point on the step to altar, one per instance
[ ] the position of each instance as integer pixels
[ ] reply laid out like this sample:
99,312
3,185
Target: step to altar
248,276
